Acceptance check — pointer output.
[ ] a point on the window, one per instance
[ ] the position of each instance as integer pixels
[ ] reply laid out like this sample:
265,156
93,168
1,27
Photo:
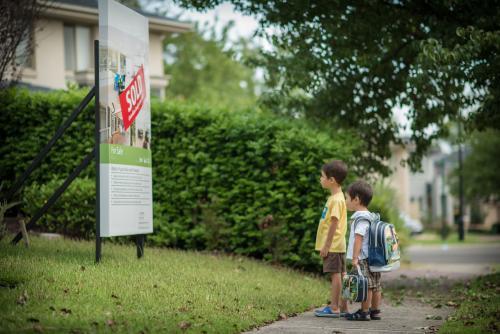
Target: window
155,91
69,48
76,47
24,57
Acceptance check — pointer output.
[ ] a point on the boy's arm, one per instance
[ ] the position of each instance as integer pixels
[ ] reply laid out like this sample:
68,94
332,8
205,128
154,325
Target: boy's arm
329,237
358,241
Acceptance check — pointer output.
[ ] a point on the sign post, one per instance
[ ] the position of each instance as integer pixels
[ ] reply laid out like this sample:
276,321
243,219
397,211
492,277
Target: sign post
97,160
122,149
123,126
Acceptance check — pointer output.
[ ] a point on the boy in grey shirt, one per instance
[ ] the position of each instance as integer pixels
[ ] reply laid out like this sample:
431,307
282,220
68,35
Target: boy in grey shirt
358,196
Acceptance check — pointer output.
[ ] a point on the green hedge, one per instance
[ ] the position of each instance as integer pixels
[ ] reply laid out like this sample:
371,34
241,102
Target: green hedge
73,214
242,182
28,121
238,181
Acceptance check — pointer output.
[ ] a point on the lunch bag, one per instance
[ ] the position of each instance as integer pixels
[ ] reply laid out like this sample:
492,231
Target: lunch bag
355,286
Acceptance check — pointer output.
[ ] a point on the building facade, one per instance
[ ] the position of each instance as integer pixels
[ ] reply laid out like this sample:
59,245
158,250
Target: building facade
64,46
426,195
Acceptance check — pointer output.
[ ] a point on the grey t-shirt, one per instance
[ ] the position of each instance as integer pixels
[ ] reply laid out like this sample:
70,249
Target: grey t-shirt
361,228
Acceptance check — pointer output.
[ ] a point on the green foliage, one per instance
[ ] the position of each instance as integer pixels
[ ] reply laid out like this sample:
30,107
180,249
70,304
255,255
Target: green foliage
131,3
473,59
203,69
73,214
243,182
478,303
258,174
4,207
480,168
29,120
357,61
384,203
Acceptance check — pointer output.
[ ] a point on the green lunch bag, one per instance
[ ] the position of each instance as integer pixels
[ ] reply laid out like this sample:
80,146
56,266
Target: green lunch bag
355,287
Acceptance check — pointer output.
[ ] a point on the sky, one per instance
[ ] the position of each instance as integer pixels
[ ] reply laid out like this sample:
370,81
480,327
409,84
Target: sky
245,26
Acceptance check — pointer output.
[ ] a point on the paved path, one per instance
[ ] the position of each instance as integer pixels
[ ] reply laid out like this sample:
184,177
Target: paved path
410,317
455,254
433,262
455,262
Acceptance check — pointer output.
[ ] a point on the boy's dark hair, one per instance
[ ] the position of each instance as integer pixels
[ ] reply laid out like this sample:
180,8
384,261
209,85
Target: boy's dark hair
362,190
336,169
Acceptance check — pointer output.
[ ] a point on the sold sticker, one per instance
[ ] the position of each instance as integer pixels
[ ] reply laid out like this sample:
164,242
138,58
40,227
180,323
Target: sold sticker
132,98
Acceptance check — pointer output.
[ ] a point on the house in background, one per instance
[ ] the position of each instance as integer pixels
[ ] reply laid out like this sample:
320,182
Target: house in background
423,195
426,195
64,42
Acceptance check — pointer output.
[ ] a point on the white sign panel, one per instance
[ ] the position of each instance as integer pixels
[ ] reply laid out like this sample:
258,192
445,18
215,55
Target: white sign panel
125,122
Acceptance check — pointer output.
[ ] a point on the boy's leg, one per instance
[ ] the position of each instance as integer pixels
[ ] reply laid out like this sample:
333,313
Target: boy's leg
331,265
338,270
365,306
334,264
364,312
336,287
376,298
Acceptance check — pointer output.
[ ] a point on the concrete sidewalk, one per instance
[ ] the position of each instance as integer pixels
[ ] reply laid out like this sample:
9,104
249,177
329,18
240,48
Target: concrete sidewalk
448,263
410,317
432,267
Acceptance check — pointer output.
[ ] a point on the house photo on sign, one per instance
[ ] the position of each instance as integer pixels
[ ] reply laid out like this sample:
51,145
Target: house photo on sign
125,122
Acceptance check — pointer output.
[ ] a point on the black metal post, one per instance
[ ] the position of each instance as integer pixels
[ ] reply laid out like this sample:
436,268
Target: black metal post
461,231
97,156
56,195
36,161
444,209
139,241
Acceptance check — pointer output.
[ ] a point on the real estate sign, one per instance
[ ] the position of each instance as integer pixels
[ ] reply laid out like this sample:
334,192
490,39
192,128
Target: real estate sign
125,124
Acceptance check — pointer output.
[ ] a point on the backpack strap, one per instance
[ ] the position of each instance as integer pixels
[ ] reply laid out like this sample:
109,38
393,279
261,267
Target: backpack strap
376,220
370,222
358,219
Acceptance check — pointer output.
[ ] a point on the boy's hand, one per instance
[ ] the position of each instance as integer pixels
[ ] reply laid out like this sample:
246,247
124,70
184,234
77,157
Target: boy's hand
355,262
324,251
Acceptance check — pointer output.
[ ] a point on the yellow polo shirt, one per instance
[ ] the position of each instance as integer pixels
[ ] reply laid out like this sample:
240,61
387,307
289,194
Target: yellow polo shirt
334,207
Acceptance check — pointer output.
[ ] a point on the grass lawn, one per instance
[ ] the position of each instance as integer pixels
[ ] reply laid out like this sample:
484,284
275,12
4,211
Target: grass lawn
433,238
54,286
478,307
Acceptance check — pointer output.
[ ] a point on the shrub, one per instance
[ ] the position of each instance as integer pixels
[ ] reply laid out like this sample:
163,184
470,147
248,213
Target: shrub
28,121
244,182
74,212
495,228
384,203
247,168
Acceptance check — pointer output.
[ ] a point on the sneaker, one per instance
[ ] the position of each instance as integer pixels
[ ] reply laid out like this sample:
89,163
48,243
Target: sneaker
327,313
359,315
375,315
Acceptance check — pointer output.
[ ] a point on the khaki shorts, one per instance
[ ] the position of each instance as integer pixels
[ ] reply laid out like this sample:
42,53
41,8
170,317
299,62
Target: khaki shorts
334,263
373,278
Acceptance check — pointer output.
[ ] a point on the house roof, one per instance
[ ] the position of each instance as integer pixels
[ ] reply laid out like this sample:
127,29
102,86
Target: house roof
86,11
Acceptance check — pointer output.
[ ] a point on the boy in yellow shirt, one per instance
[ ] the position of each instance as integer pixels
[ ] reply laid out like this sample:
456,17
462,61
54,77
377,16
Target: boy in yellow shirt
330,238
